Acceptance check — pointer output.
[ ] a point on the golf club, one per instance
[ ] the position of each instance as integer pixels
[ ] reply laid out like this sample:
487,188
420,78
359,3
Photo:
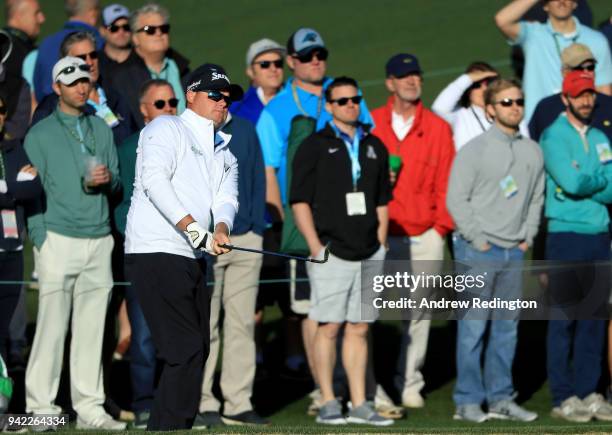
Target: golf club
279,254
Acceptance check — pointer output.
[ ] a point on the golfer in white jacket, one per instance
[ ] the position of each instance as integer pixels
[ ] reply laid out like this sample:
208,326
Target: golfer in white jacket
186,182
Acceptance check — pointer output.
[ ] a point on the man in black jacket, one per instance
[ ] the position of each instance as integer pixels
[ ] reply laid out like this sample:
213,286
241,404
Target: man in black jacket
151,58
19,183
339,194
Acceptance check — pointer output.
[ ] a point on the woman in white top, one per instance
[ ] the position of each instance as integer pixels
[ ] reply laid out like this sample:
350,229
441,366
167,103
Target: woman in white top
461,103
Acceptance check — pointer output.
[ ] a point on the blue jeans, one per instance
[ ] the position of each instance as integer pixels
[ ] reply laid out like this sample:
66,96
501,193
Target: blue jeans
583,339
142,356
503,279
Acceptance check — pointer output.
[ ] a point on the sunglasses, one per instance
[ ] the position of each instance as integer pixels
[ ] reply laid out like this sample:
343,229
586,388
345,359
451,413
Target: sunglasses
508,102
217,96
344,100
587,67
265,64
320,54
160,104
93,55
114,28
72,68
3,110
152,30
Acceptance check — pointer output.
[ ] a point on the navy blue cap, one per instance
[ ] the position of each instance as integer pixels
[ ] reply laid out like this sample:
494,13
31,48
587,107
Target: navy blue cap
403,64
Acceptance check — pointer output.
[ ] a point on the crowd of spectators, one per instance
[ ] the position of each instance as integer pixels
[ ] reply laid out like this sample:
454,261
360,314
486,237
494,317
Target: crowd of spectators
495,166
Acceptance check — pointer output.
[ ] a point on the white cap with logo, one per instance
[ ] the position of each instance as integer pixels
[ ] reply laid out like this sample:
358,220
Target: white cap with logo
69,69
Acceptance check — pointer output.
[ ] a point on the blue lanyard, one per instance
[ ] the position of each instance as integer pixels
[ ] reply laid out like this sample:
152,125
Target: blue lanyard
352,146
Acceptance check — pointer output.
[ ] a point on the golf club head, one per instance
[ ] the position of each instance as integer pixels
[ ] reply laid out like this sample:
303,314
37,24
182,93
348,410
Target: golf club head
325,256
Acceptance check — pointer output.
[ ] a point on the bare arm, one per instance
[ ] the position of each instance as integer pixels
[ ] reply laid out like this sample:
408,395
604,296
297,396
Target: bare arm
507,19
305,223
383,224
273,197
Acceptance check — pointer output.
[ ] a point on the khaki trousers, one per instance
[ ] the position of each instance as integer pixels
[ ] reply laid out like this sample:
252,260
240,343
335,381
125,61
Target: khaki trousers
236,283
74,274
426,253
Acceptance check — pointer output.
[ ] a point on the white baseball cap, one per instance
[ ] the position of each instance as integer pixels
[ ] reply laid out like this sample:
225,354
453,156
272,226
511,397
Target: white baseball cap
263,46
69,69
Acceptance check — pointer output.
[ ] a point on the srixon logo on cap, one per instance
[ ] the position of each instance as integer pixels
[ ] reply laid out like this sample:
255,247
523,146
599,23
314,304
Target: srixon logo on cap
218,76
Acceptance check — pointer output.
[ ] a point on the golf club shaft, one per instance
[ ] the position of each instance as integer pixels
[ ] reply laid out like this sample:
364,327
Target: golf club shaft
276,254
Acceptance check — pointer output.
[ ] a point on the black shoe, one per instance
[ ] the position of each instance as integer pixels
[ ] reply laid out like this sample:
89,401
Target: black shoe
245,418
207,419
141,420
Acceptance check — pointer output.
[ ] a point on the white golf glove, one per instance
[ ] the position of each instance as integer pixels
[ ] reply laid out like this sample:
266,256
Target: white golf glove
199,237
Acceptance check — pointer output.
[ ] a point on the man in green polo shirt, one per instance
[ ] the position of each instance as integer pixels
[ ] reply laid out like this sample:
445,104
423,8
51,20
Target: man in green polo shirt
77,162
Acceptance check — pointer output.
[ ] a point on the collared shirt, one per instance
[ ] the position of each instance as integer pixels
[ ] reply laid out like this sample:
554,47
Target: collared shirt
543,46
179,171
401,127
170,72
274,125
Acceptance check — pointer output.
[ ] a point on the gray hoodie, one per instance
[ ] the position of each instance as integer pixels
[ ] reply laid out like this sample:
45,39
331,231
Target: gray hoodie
482,211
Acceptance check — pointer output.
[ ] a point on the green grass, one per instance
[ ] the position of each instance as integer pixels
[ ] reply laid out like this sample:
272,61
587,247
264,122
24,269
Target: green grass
446,35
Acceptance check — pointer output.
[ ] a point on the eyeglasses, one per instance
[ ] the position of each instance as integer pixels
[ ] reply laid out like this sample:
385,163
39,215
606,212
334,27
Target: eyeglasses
72,68
508,102
114,28
3,110
93,55
160,104
217,96
583,67
265,64
344,100
321,54
152,30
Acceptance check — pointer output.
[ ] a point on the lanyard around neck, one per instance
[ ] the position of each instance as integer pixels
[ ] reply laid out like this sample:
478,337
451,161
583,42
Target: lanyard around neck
296,98
478,119
80,138
353,151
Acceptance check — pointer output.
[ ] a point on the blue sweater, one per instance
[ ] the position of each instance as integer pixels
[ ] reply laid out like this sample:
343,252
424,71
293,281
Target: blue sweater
578,184
245,146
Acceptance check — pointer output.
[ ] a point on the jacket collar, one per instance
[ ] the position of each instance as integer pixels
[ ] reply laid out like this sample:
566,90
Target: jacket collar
205,126
328,131
498,134
418,115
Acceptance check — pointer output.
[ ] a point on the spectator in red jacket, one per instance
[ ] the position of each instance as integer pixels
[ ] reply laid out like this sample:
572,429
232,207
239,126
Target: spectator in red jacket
421,151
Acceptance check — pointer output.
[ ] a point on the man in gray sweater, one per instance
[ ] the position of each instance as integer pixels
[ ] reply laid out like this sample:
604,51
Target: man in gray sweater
495,196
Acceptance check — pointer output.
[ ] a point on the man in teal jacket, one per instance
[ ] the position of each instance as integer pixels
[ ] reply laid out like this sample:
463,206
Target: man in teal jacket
77,163
578,162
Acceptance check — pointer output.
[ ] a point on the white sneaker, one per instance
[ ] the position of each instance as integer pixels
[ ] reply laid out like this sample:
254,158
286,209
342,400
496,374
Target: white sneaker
413,400
316,401
572,409
385,406
104,422
599,408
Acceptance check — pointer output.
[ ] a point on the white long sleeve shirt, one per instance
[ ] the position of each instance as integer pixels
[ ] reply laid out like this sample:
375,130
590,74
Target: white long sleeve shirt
467,122
182,167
